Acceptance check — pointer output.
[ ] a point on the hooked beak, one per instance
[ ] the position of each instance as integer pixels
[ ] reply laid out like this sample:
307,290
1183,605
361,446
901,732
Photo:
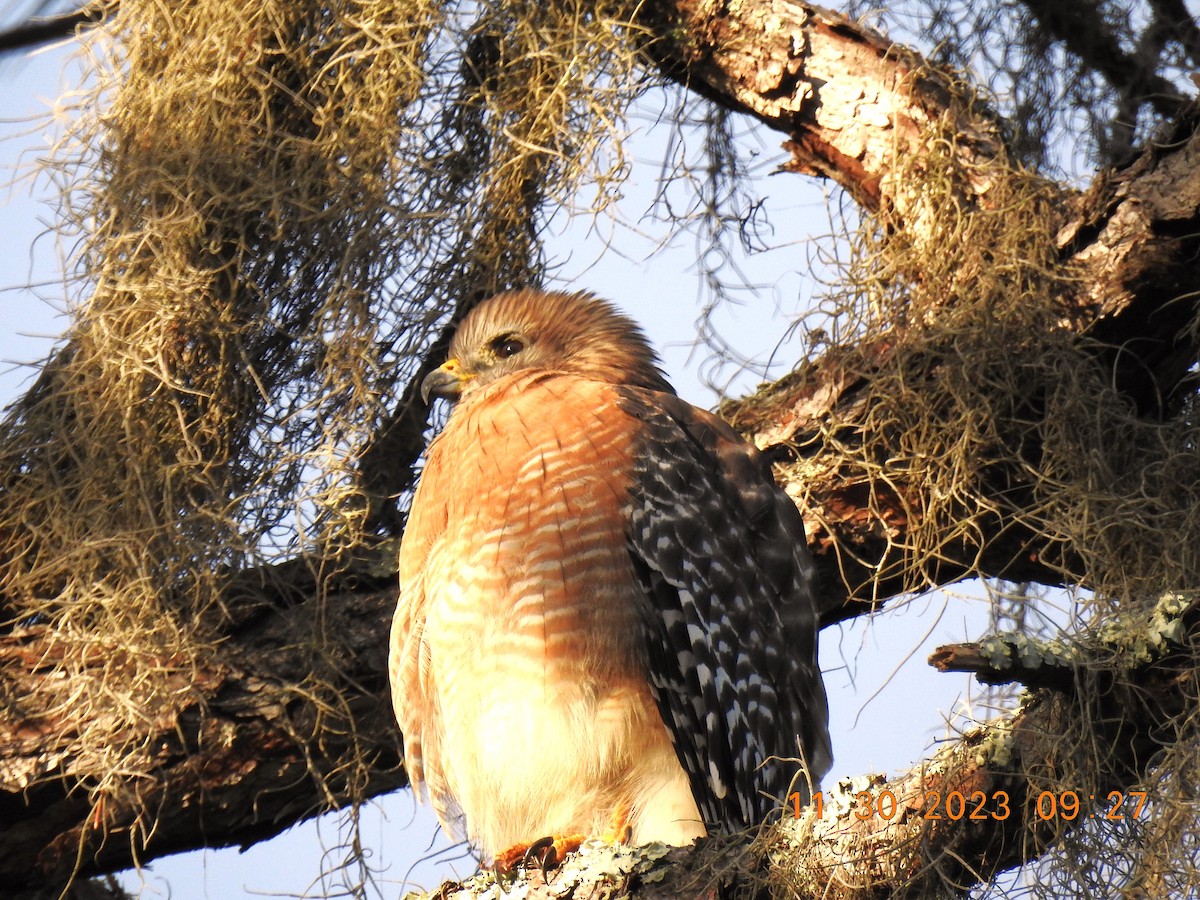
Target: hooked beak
446,381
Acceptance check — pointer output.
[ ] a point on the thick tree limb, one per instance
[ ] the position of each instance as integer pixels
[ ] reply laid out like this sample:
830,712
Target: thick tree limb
979,659
243,754
859,111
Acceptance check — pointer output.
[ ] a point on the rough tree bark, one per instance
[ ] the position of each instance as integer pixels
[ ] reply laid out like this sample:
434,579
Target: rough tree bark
238,760
857,109
852,108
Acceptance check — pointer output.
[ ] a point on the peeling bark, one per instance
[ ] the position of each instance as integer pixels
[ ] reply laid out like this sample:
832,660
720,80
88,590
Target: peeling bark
851,103
242,755
857,110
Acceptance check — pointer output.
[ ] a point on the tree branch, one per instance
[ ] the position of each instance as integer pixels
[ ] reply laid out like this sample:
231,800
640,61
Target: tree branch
250,747
36,32
852,104
1175,17
1081,27
861,111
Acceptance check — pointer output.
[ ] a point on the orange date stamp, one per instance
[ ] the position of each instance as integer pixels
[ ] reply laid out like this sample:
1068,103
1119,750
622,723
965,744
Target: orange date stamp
979,806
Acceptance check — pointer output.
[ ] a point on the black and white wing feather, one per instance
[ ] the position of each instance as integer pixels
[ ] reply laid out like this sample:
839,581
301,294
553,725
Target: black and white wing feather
729,609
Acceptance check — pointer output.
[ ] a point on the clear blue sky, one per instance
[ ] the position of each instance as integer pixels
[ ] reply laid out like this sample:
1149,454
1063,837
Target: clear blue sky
887,704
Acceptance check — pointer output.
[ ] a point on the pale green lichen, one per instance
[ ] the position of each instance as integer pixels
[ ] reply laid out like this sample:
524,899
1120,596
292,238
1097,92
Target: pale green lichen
588,872
1138,639
1134,637
1003,651
995,749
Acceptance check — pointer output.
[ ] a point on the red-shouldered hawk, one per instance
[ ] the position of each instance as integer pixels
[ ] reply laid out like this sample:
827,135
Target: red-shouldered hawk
606,622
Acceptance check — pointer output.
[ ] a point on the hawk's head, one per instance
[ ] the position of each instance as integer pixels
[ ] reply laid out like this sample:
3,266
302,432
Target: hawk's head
528,329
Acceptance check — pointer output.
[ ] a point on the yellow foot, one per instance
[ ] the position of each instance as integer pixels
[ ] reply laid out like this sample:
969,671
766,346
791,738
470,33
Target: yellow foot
620,827
545,854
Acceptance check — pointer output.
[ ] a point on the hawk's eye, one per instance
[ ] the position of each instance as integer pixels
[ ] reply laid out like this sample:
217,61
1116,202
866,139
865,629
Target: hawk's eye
507,345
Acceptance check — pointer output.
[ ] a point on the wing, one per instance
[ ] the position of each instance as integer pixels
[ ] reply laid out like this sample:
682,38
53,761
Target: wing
729,610
415,699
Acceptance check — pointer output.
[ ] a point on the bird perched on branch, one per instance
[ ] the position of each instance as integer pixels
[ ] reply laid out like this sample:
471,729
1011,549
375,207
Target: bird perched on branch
607,624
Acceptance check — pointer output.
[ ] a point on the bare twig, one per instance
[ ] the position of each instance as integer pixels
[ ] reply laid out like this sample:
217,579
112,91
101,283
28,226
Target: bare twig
36,32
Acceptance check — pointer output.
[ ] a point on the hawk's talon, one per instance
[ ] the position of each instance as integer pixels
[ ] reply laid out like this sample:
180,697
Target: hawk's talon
544,853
